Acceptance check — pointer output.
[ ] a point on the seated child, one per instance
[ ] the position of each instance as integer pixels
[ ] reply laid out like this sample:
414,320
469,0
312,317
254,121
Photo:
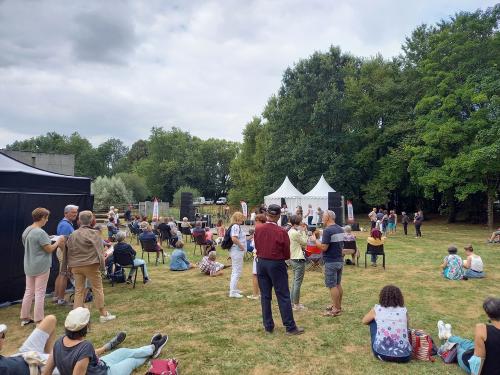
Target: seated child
452,265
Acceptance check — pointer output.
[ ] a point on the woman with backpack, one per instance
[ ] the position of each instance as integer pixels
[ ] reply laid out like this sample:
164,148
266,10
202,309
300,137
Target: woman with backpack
237,252
388,321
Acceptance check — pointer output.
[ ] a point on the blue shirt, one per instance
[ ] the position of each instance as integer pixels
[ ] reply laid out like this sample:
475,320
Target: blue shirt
333,235
65,228
178,260
147,236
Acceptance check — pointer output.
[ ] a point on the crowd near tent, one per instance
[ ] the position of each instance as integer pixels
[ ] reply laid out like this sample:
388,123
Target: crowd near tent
287,192
318,196
22,189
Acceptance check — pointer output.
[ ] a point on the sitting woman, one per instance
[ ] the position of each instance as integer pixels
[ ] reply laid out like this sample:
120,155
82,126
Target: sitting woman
389,326
210,266
148,235
178,259
375,243
112,229
72,354
482,356
452,265
350,247
473,265
123,249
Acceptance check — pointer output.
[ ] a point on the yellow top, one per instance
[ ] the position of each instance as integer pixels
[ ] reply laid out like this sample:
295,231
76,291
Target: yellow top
375,241
298,239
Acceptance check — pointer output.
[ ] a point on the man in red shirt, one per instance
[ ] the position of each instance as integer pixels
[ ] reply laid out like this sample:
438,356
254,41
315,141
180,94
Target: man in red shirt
273,248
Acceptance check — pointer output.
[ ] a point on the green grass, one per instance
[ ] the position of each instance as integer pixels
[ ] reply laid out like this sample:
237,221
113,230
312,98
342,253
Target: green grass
212,334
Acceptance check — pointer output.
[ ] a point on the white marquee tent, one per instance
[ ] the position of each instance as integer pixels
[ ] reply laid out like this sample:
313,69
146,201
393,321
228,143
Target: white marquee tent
289,193
318,196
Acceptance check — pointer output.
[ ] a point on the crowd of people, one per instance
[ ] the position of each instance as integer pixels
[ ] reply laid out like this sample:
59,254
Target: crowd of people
278,242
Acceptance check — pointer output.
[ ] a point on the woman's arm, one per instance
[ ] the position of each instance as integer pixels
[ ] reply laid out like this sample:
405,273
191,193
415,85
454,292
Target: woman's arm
467,262
81,366
369,317
50,248
480,337
50,365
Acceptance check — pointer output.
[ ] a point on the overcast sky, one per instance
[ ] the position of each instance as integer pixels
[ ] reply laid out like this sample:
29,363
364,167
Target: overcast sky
117,68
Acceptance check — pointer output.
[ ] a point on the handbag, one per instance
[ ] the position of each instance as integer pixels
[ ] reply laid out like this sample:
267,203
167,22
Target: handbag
448,352
422,345
163,367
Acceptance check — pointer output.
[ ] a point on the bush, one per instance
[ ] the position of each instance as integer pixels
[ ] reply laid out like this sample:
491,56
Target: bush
176,201
110,191
136,185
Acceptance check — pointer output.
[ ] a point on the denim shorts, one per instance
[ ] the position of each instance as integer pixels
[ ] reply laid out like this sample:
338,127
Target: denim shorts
333,274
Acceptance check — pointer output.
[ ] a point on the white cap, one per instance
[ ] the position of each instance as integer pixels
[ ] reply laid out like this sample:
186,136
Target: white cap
77,319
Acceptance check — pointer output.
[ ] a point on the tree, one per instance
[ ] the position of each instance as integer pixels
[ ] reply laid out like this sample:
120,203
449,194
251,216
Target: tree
109,191
136,185
112,153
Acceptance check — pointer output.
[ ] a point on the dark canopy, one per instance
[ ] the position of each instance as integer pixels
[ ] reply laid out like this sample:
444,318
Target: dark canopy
22,189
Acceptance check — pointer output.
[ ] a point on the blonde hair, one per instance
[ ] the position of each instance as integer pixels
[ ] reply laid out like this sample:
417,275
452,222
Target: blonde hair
237,218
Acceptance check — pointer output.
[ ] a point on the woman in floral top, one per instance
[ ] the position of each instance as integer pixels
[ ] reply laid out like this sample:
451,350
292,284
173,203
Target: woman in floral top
389,326
453,266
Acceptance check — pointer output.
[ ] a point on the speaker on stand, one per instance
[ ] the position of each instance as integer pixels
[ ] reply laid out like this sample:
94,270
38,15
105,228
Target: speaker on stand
336,204
187,208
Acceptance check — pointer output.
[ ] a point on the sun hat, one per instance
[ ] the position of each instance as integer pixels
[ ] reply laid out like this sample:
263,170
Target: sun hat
77,319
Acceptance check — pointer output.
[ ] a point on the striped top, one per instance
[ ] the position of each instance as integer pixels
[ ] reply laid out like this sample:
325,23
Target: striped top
333,235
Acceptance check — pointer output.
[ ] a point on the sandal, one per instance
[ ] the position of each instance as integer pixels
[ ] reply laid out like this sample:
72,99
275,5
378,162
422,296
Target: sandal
332,313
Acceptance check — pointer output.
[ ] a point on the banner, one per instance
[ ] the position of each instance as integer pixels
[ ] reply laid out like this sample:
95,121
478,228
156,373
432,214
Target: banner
155,209
244,208
350,212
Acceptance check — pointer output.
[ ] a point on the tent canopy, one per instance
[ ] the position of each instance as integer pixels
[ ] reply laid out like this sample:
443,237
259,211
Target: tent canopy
286,190
321,189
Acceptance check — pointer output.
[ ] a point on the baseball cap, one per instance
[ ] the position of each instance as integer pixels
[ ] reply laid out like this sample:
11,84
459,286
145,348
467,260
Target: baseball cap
273,209
77,319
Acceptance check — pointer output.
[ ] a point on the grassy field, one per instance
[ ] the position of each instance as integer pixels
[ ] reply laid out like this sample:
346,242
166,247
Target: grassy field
212,334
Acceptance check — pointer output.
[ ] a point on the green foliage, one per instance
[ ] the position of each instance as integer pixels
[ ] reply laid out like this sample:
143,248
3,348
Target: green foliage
110,191
176,201
136,185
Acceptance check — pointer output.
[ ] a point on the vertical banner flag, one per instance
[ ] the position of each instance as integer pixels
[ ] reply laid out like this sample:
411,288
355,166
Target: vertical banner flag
244,208
155,209
350,212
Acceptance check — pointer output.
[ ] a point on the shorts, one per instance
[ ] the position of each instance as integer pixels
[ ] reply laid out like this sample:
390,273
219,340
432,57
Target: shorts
35,343
59,255
254,267
391,226
333,274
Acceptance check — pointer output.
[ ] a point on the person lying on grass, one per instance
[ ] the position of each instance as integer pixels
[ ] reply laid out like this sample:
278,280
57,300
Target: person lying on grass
209,265
481,356
72,354
452,266
178,259
388,323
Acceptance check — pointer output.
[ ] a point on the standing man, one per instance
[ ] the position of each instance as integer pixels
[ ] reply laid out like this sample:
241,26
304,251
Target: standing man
64,228
331,245
273,248
373,217
85,259
418,219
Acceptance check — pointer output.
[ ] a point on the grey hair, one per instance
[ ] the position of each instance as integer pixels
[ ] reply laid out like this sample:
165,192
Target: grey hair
491,307
86,217
70,207
331,214
120,236
347,229
212,254
198,224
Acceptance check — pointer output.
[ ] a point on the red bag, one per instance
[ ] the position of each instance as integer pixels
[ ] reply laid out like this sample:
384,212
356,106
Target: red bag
163,367
421,344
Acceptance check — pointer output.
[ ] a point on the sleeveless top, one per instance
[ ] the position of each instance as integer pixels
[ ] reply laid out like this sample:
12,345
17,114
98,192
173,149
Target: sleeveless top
492,362
391,338
476,263
454,269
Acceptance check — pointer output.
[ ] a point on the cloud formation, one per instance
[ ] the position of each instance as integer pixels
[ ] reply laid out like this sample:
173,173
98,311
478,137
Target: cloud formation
117,68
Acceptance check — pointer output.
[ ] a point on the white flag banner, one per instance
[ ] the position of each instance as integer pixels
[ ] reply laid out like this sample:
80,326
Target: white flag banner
350,212
155,209
244,208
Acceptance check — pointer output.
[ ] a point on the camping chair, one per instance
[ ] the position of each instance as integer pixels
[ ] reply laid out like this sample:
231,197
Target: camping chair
350,248
315,258
134,232
199,240
186,232
376,250
125,260
165,234
149,246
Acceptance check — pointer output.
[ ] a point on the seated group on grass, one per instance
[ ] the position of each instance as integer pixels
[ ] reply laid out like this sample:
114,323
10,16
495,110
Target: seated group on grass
454,268
71,353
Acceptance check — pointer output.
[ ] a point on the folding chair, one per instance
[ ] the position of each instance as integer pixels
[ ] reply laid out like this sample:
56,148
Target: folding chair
165,234
376,250
149,246
125,261
134,232
199,240
315,258
350,248
186,232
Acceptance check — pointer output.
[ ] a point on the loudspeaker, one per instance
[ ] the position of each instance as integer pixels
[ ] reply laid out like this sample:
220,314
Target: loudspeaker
187,208
208,219
336,204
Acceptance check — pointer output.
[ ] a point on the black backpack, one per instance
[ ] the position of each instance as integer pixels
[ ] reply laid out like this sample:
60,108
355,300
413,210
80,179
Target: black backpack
227,241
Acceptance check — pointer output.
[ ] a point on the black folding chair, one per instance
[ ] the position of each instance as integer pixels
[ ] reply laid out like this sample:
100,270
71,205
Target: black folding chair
149,246
350,248
134,232
375,250
199,240
125,260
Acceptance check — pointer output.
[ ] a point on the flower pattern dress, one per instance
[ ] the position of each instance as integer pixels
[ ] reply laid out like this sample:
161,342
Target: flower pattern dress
392,332
454,269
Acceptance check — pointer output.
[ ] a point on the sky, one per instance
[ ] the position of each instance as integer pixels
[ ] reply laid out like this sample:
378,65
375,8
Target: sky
118,68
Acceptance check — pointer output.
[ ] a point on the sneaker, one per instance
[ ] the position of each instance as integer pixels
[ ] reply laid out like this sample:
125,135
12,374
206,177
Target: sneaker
253,297
107,317
301,307
147,280
295,307
129,280
159,344
62,302
447,331
296,331
374,264
156,337
25,322
117,340
441,329
235,295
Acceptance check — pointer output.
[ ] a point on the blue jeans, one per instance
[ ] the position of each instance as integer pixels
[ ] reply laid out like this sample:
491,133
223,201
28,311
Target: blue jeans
463,345
140,262
123,361
299,267
374,258
273,273
385,358
473,274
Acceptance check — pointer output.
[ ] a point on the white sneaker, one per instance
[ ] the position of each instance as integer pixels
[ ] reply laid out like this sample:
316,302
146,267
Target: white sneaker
235,295
302,307
441,329
253,297
107,317
447,331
